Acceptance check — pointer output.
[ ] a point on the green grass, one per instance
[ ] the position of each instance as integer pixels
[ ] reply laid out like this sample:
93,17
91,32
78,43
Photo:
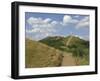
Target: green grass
78,47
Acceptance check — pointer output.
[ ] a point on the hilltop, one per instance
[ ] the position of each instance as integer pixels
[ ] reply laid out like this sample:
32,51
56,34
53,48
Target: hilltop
59,42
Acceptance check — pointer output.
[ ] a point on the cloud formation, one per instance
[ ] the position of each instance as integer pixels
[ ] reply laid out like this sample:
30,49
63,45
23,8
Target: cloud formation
68,19
83,23
42,28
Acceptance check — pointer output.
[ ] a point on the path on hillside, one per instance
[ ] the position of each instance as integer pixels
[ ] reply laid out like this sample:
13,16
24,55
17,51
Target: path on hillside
68,60
68,42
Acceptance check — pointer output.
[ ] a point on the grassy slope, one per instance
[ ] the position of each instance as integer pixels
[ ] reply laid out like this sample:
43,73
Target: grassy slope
60,42
77,46
41,55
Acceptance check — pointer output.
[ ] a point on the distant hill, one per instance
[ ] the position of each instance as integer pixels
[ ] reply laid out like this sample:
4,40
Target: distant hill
60,42
73,44
41,55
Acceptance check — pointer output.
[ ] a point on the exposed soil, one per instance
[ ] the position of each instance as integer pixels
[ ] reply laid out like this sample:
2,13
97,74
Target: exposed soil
68,60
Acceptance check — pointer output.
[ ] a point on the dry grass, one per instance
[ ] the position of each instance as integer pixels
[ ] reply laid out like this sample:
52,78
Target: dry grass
41,55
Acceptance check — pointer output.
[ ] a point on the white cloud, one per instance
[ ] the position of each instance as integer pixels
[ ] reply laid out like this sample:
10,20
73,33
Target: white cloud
40,28
47,27
39,22
74,21
54,22
66,19
83,23
33,20
47,20
38,34
85,19
33,30
69,20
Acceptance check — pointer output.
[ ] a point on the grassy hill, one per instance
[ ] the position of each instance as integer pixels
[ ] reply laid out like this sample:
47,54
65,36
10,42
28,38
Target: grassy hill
72,44
56,51
41,55
60,42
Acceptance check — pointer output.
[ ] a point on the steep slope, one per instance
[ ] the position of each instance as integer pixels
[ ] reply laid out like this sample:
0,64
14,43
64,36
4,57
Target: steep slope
41,55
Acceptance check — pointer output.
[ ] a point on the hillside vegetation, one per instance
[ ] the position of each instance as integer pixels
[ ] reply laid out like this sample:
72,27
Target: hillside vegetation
78,47
56,51
41,55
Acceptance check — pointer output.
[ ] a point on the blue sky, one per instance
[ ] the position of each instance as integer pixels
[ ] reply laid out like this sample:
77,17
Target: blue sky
41,25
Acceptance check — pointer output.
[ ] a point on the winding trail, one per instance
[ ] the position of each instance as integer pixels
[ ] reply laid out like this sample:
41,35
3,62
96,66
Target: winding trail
68,59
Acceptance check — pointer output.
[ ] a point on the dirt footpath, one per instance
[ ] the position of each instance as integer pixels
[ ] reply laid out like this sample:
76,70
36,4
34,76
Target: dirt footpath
68,60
